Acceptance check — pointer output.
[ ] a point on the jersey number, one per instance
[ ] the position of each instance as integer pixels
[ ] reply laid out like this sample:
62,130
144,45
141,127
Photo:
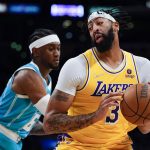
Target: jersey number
114,113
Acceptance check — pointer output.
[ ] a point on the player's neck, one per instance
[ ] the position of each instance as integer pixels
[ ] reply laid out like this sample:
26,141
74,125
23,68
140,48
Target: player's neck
112,57
43,70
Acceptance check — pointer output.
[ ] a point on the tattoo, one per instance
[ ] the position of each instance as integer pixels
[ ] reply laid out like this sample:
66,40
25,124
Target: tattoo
37,129
144,91
61,96
61,123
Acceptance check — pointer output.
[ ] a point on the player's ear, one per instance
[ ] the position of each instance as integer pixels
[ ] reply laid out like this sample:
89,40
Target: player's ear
116,27
35,52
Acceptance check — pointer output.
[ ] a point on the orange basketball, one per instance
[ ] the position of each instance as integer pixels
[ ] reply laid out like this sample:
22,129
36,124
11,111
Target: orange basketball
135,105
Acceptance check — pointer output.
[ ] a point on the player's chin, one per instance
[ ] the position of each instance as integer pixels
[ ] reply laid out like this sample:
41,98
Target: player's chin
55,66
56,63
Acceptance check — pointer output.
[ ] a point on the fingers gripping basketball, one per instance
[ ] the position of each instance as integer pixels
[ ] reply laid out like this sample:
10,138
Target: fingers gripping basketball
136,104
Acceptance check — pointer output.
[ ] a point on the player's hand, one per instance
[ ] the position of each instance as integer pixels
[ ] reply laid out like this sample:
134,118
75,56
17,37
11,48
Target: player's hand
108,101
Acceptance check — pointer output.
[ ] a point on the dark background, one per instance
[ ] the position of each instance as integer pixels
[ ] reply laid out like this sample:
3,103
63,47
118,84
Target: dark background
15,29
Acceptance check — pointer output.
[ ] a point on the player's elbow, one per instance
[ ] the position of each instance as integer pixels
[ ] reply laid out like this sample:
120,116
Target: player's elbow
46,129
50,123
46,124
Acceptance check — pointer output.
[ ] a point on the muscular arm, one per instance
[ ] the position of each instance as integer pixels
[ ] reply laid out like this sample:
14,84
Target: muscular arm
27,82
56,119
38,129
145,129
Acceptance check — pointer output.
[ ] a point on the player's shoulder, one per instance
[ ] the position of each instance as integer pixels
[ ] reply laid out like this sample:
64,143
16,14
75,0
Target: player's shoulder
27,70
141,60
26,74
78,60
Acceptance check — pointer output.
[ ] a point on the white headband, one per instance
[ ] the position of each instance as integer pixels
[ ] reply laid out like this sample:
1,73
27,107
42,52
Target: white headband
43,41
102,15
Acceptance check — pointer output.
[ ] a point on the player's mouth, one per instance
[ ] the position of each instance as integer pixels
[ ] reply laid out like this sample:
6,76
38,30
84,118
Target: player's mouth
98,37
56,61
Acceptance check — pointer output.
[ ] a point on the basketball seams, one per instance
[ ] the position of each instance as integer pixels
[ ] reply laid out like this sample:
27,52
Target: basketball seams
135,112
130,109
137,98
135,106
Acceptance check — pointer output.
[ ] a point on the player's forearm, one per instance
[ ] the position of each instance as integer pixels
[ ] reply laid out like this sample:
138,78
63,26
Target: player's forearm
38,129
61,123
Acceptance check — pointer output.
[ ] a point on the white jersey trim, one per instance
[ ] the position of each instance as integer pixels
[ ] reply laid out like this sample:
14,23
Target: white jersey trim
22,96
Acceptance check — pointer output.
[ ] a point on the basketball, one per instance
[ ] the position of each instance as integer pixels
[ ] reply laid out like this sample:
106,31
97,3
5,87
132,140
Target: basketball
135,105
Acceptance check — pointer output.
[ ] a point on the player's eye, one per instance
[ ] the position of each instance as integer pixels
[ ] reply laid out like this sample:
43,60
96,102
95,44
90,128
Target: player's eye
50,48
90,27
99,22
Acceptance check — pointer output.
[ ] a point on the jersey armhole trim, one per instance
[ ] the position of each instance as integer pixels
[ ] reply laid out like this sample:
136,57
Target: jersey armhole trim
135,68
87,73
22,68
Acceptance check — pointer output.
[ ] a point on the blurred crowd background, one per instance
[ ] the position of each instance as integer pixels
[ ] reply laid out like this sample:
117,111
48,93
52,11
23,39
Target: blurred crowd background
18,19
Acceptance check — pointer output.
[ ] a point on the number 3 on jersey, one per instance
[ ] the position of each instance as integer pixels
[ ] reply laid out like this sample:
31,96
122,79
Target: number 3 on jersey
113,115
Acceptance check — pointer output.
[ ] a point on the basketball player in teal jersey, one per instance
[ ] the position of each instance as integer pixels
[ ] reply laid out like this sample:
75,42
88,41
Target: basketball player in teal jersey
27,92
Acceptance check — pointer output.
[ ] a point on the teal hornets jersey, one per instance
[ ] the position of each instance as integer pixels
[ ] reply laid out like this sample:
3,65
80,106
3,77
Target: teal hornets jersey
17,112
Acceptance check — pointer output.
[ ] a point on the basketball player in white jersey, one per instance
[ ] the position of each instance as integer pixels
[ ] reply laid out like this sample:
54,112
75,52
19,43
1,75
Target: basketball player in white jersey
86,99
27,93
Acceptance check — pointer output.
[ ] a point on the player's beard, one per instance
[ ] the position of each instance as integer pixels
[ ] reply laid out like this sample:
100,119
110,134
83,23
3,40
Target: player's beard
106,43
50,65
53,66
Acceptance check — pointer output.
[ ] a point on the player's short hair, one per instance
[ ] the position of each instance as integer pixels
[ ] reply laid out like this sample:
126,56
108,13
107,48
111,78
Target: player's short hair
39,33
119,14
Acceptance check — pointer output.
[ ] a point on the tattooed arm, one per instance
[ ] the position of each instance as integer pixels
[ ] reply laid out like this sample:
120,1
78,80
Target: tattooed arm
56,119
38,129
